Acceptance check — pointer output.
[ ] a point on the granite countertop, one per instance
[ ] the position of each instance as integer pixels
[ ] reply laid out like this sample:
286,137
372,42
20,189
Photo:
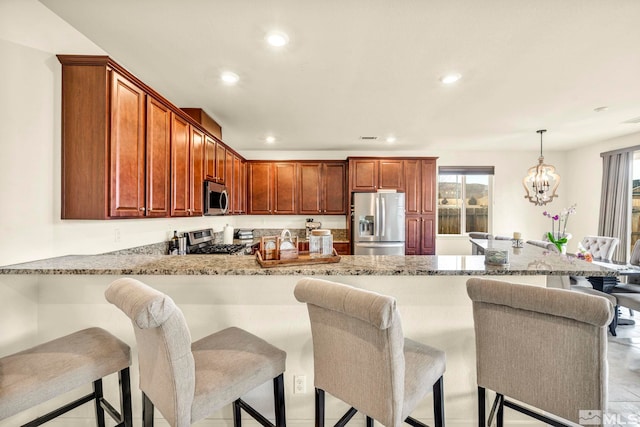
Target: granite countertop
527,261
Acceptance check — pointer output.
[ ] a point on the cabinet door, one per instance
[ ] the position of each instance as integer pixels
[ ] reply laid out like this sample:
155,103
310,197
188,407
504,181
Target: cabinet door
196,164
310,188
391,174
127,148
238,194
334,197
284,188
243,186
180,148
428,186
158,147
342,248
428,240
413,231
209,158
364,174
221,159
412,186
228,180
259,178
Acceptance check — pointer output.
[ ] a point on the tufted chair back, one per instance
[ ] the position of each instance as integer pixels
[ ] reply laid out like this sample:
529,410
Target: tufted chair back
600,247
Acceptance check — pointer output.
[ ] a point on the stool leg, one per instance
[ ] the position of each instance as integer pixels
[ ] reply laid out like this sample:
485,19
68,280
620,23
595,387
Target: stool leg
369,422
482,416
147,411
98,395
278,395
125,397
438,403
500,415
237,415
319,407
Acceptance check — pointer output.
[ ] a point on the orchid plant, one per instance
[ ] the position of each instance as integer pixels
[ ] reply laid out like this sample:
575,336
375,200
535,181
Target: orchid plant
559,237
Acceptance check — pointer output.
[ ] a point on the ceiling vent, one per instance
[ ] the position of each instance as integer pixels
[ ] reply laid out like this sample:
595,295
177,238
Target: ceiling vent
632,121
368,138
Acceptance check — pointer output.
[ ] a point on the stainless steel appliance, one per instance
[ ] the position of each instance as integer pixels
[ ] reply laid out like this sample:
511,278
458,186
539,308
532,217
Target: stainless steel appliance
378,223
201,242
216,199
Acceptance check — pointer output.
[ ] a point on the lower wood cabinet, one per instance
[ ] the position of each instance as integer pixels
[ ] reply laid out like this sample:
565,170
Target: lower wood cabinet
420,235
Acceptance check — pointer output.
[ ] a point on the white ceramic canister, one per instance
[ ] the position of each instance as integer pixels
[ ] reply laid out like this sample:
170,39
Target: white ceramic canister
320,243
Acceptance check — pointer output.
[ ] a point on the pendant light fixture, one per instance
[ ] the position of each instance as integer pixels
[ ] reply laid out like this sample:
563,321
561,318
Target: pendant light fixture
541,181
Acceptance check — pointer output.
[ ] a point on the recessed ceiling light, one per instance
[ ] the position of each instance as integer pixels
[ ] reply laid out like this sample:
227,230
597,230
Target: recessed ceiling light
270,139
601,109
229,78
450,78
277,39
391,139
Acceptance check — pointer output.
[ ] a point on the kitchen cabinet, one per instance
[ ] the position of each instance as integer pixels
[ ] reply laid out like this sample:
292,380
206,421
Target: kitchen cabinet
342,248
210,159
420,206
187,175
271,188
419,235
229,181
259,184
321,188
371,174
158,156
284,188
114,143
221,163
239,185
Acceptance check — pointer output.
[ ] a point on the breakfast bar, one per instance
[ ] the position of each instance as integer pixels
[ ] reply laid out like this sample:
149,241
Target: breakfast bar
44,299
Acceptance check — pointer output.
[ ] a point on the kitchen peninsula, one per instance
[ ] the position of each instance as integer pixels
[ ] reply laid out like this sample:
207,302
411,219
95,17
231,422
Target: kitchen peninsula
47,298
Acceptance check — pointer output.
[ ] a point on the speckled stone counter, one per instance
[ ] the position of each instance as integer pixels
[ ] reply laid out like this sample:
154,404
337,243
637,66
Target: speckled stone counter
44,299
527,261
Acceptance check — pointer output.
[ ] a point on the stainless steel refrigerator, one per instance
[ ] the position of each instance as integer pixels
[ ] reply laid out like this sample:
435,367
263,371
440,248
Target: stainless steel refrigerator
378,224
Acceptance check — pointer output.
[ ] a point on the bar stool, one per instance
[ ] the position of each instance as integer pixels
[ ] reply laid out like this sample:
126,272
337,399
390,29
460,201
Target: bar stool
546,348
188,381
361,356
51,369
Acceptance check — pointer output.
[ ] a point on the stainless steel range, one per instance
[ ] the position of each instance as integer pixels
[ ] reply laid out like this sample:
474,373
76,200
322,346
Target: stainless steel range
201,242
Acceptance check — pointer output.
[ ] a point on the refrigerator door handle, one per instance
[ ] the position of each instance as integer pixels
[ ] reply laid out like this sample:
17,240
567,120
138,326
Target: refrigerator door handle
377,213
383,213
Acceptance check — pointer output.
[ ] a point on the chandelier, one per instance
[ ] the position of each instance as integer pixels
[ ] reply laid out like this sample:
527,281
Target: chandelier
541,181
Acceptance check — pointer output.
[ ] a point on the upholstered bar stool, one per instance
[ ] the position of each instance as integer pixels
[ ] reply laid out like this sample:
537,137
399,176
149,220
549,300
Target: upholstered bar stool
33,376
361,356
546,348
189,381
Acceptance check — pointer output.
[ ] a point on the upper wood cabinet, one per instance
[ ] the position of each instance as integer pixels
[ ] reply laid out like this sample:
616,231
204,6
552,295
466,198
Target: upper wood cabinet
115,143
210,158
158,158
321,188
221,163
420,186
284,188
187,168
259,185
196,173
229,181
239,186
371,174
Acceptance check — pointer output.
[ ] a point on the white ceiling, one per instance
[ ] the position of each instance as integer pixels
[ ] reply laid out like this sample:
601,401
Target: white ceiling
371,68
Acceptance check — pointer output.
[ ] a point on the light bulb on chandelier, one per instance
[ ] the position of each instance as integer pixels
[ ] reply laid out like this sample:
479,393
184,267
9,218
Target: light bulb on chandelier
541,181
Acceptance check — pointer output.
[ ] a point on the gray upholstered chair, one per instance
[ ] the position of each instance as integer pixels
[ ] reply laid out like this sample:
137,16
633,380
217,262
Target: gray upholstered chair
477,235
188,381
499,237
601,247
543,347
361,356
544,244
51,369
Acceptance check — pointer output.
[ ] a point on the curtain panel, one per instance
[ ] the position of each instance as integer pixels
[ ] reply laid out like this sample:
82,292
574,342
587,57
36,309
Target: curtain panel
615,199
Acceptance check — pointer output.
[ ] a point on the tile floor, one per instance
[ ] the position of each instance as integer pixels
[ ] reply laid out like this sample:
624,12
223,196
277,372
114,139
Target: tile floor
624,373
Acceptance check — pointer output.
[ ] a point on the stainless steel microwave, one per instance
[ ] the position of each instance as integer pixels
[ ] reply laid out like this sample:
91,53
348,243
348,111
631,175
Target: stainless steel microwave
216,199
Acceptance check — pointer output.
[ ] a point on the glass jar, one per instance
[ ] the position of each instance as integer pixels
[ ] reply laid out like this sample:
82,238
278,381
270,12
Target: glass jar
320,243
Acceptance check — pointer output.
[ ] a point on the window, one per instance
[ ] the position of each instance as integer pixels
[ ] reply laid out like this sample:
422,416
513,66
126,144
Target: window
464,199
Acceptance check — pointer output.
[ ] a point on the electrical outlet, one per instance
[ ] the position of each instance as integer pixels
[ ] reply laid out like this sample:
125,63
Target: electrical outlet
299,384
116,235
